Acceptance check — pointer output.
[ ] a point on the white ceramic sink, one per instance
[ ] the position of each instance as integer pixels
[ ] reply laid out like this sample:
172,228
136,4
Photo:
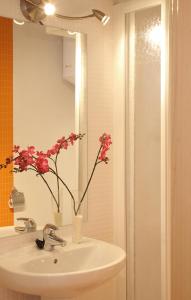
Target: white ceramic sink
65,272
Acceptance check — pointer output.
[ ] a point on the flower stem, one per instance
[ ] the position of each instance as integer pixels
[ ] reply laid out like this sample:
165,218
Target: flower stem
72,196
58,182
54,198
89,181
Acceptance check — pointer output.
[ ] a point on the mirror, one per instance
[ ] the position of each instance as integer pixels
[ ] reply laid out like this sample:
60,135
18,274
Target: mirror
49,102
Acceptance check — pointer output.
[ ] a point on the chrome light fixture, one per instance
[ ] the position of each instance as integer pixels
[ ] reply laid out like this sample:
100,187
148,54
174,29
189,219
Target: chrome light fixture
37,10
33,10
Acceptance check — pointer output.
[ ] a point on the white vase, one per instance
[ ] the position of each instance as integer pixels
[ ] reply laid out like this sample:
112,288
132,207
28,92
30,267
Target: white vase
77,227
58,219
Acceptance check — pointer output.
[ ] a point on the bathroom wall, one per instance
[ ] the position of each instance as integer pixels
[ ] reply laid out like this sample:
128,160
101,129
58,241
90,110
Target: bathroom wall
100,119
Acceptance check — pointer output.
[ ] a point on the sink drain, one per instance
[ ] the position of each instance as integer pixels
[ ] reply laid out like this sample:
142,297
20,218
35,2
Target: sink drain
55,261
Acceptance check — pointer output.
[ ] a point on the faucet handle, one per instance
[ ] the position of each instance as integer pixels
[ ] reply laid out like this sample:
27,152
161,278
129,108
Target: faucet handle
50,226
22,219
50,239
49,229
29,225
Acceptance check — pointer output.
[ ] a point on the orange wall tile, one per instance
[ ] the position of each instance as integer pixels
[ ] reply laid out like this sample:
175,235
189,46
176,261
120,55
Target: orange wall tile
6,116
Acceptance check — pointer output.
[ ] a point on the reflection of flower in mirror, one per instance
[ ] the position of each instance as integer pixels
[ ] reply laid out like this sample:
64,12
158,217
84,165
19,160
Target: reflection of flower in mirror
41,162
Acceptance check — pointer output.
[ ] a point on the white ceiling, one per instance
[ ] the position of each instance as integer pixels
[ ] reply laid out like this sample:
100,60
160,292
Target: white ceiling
80,7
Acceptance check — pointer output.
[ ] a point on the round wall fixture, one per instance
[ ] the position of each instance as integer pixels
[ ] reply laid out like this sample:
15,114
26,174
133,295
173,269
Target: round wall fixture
32,10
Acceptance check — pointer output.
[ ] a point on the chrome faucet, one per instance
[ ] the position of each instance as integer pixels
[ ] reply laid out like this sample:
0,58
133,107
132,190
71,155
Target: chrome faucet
51,239
29,225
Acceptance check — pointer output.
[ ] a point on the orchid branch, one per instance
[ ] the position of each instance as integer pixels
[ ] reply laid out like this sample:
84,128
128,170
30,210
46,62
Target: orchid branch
31,159
72,196
89,181
45,181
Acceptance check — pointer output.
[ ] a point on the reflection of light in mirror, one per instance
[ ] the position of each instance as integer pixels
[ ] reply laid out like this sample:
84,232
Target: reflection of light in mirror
71,32
18,22
78,74
154,36
49,9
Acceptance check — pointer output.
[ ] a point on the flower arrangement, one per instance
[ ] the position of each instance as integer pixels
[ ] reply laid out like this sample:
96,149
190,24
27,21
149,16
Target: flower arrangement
41,163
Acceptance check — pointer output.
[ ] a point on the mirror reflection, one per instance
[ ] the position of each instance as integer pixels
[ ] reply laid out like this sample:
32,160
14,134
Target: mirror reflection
48,82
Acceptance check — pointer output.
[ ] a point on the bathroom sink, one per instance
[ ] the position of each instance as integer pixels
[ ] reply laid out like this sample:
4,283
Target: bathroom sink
65,272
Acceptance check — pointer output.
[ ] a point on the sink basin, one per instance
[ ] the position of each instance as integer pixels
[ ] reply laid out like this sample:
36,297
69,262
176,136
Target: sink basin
63,273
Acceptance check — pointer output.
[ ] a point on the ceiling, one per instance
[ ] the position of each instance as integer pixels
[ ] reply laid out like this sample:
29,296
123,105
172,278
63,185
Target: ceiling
80,7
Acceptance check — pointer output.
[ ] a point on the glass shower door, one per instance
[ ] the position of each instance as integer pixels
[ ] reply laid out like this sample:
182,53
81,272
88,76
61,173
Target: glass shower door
143,100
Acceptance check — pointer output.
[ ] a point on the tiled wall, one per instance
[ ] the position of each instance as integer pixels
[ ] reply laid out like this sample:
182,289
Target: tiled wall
6,116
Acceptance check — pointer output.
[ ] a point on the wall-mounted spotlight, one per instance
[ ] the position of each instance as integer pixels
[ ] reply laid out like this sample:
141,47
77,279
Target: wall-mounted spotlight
37,10
95,13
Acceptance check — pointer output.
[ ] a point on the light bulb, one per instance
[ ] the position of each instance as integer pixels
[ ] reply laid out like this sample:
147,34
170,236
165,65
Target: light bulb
49,9
105,20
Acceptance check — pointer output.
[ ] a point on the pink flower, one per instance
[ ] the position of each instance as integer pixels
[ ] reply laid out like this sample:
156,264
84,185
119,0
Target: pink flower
16,149
31,157
102,154
48,153
54,150
31,150
24,154
73,137
41,164
41,154
62,140
25,158
65,145
23,161
9,160
105,141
